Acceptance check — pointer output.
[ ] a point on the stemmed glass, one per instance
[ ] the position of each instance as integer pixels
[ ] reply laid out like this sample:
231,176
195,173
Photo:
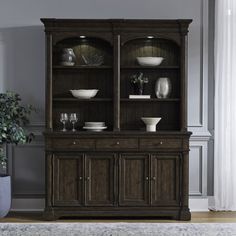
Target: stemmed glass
73,120
64,119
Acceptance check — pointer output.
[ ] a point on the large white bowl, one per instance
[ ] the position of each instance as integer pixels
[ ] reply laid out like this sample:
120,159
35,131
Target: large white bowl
151,123
84,93
149,61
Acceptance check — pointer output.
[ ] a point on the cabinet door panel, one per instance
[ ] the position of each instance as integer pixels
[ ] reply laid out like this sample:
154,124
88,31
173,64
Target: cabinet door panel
67,180
165,173
99,179
133,184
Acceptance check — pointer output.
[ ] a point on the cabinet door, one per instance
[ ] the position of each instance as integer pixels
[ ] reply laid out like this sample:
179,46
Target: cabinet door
99,179
67,180
165,174
134,180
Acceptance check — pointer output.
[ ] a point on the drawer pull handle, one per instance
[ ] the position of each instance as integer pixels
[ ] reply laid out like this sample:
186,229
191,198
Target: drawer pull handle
88,178
154,178
74,143
147,178
80,178
117,142
161,143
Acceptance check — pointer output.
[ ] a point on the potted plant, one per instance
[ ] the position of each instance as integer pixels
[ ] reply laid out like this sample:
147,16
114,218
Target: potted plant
13,118
138,81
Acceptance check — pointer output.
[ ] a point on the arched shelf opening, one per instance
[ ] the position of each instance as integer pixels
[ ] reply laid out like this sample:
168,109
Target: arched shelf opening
89,48
150,47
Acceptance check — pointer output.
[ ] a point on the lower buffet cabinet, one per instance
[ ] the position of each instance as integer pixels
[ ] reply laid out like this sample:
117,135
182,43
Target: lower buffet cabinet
111,183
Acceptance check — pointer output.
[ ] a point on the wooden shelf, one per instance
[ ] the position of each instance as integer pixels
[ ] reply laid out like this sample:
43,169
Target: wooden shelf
82,100
149,67
80,67
150,100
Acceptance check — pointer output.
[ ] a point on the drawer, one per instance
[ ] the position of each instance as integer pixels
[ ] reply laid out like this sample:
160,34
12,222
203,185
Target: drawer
117,143
158,143
73,143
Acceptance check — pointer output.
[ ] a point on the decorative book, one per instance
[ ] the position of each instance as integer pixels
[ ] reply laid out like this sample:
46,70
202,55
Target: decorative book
139,96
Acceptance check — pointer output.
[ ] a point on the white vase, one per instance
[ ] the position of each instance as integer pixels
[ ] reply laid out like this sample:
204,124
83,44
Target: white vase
68,57
163,87
5,195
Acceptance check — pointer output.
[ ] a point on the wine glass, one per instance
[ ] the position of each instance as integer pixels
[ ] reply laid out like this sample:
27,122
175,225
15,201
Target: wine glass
73,120
64,119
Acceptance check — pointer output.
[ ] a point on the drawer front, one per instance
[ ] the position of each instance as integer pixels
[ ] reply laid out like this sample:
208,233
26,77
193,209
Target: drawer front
73,143
158,143
117,143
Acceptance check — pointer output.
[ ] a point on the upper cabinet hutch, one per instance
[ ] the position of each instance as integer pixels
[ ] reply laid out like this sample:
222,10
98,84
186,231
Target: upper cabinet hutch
123,170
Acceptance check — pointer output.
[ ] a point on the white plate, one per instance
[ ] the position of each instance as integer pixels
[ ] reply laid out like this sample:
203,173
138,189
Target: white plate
94,124
95,128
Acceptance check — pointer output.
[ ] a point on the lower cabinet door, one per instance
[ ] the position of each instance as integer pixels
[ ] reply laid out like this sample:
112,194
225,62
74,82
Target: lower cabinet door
134,180
67,180
99,179
165,180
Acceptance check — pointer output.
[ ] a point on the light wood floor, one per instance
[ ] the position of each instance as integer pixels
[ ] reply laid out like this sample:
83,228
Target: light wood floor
197,217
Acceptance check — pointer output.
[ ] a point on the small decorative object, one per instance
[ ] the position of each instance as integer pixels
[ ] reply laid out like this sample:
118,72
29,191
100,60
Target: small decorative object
94,60
95,126
63,120
149,61
163,87
151,123
14,117
73,120
139,82
68,57
84,93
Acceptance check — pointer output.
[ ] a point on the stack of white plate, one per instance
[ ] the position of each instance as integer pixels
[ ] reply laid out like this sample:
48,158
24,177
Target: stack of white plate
94,126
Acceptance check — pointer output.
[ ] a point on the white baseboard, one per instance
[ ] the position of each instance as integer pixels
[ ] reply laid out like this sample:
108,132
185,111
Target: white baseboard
21,204
198,204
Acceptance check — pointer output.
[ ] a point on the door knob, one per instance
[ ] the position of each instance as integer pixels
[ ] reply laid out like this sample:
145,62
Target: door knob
74,142
88,178
161,143
117,142
153,178
147,178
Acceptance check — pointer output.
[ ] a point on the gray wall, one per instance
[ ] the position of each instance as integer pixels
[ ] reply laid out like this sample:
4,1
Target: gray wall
22,70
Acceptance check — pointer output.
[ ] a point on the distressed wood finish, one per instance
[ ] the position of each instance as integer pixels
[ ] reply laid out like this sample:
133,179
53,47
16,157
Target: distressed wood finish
99,179
123,171
134,180
67,180
165,179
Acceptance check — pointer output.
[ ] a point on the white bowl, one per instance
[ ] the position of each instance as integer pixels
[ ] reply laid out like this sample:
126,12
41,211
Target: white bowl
94,124
151,123
96,129
84,93
149,61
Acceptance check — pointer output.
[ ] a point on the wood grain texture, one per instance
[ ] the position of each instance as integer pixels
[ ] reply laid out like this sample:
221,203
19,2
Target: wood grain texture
99,179
134,180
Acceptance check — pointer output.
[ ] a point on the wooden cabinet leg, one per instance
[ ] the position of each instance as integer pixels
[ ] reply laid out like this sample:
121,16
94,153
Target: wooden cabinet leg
49,215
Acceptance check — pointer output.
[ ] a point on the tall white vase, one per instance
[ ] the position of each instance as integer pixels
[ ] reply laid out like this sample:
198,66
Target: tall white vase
163,87
5,195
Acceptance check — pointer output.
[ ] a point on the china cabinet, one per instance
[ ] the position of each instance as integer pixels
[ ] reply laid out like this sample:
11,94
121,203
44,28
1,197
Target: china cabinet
122,170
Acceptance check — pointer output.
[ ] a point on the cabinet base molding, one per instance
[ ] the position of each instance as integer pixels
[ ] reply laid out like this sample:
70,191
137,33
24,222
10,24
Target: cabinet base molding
51,214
